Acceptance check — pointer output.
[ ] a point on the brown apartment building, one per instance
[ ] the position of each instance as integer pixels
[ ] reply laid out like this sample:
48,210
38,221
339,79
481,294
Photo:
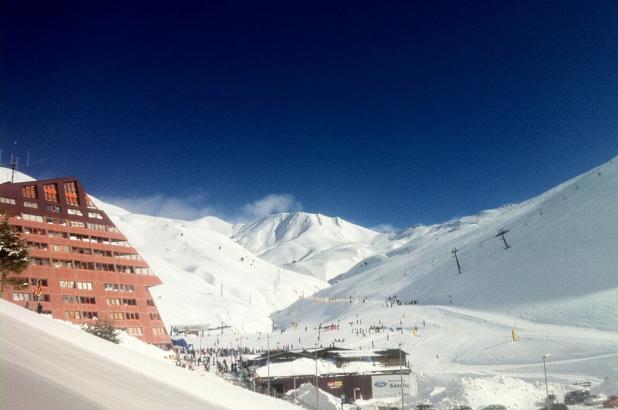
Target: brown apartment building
82,267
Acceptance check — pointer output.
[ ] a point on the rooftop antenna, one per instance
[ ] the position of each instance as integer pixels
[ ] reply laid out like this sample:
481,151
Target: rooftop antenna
13,167
454,252
501,233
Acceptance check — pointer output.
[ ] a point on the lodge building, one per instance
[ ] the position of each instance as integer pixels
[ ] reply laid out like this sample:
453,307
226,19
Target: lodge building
82,268
344,373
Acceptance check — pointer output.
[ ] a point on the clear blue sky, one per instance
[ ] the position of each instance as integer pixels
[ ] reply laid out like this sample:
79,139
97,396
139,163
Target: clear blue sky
378,112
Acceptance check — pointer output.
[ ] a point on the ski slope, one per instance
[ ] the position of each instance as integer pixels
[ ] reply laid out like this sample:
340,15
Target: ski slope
561,267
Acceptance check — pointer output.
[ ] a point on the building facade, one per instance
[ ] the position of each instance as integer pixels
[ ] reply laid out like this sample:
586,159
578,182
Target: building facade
82,267
351,375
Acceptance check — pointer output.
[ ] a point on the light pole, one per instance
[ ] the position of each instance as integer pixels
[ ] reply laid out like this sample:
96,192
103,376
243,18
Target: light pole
316,378
545,356
268,359
401,376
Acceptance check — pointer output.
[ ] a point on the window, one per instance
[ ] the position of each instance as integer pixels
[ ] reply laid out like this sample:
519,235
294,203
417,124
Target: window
135,331
22,296
81,251
116,316
62,264
34,231
38,281
39,261
69,299
129,302
119,242
72,315
127,256
72,211
36,245
114,301
4,200
84,285
59,248
34,218
29,204
71,284
78,237
87,300
77,224
90,315
70,193
106,267
150,302
115,287
55,234
53,208
96,227
83,265
29,192
158,331
154,316
58,221
95,215
99,252
131,316
51,192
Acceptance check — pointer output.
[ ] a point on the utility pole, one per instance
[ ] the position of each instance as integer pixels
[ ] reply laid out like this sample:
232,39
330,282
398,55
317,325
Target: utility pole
501,233
454,252
401,376
317,389
545,356
268,359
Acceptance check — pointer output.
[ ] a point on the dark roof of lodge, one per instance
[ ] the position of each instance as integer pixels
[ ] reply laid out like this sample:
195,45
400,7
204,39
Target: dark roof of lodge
334,353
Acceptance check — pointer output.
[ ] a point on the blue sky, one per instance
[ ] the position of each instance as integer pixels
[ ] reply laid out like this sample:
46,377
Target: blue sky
397,113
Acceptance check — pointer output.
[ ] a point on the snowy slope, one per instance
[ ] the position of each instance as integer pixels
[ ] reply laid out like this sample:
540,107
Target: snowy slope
208,278
560,267
312,244
49,363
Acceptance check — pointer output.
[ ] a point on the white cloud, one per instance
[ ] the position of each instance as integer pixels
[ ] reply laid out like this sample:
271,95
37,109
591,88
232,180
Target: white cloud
384,228
189,208
193,207
270,204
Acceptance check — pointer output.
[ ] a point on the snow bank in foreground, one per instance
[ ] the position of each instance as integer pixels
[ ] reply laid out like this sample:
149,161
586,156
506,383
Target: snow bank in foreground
306,395
68,362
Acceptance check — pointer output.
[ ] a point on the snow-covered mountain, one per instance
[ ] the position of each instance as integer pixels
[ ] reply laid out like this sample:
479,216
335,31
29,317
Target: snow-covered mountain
560,266
207,277
312,244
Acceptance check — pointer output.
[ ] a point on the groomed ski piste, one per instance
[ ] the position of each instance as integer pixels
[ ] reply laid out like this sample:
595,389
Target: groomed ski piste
554,287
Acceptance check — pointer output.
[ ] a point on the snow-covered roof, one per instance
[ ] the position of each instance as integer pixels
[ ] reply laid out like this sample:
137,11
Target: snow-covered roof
306,366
